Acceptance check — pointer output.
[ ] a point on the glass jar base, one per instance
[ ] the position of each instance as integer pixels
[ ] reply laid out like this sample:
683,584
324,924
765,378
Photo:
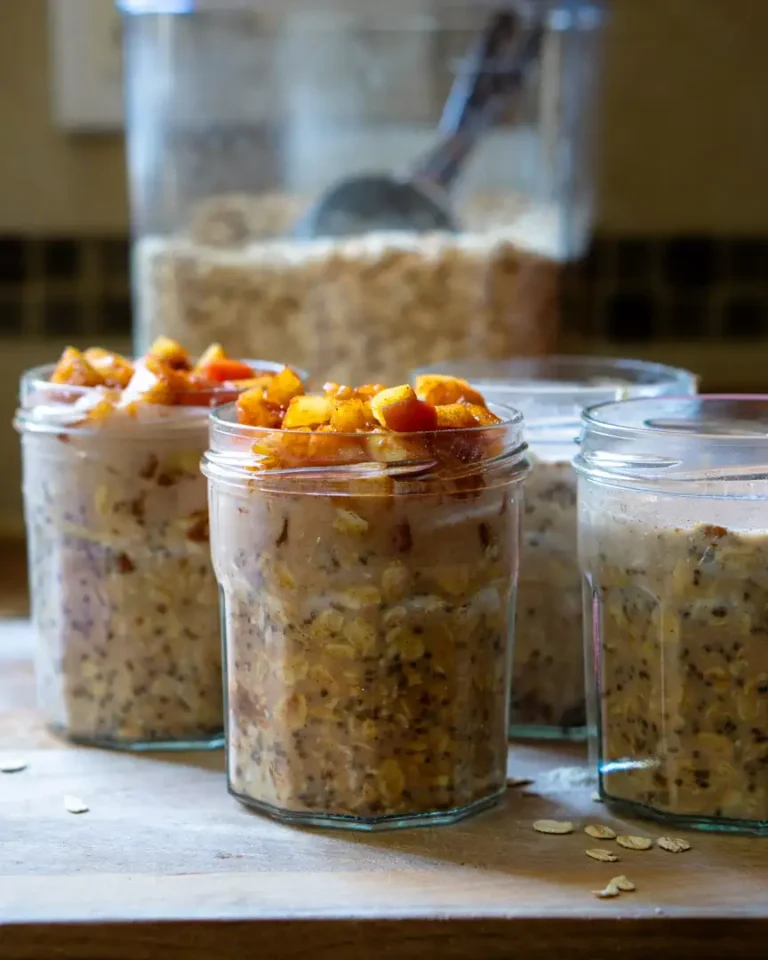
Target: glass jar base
533,731
371,824
630,808
213,741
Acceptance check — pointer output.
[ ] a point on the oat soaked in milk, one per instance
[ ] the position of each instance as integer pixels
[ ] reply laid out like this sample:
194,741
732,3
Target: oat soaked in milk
683,665
548,659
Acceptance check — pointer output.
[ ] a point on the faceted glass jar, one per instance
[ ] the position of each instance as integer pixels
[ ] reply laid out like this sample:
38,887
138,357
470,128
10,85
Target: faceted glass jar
547,693
243,114
673,545
367,612
124,598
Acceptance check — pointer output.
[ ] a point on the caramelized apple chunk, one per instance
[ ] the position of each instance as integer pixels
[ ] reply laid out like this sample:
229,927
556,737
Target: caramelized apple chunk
170,352
400,410
283,387
440,390
454,416
307,412
253,409
350,416
74,369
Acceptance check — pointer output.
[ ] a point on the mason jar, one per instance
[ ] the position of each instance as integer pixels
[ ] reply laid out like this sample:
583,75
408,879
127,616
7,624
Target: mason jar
673,544
547,693
244,116
124,598
367,611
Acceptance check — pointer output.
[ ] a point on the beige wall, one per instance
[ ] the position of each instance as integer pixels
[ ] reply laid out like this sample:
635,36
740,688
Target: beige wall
685,147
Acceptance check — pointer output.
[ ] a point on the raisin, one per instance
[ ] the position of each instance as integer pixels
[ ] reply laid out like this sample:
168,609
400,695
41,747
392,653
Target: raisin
283,538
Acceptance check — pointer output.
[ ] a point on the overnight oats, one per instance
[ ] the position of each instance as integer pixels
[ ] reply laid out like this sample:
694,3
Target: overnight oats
674,541
547,693
366,547
124,599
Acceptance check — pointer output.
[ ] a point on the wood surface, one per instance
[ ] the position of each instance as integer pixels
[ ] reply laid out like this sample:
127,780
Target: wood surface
165,863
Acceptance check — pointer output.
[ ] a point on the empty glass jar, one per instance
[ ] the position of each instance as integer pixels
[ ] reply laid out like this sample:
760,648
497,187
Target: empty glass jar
548,671
474,118
673,543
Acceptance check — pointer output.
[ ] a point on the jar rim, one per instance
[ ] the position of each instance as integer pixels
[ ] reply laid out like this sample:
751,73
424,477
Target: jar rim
231,459
589,13
715,418
224,418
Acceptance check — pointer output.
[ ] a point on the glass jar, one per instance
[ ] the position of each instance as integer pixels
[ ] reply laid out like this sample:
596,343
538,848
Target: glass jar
243,114
124,598
673,544
548,669
367,616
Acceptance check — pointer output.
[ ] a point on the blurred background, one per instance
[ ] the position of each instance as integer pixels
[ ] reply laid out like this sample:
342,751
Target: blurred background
677,270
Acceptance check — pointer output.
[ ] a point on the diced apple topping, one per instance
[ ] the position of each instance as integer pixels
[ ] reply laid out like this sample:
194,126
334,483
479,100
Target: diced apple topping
368,424
440,390
400,410
307,412
167,377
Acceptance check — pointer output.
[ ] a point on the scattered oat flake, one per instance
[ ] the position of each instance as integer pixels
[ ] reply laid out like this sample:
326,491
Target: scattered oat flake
599,853
635,843
599,832
553,826
623,883
611,890
673,844
75,804
596,798
514,782
13,766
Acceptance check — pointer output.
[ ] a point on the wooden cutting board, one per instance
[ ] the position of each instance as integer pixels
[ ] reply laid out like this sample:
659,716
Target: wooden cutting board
166,863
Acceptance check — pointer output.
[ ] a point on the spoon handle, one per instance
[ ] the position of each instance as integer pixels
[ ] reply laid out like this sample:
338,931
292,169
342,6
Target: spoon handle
495,68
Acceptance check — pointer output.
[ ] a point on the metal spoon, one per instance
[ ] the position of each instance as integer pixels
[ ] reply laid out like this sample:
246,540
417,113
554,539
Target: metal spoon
420,201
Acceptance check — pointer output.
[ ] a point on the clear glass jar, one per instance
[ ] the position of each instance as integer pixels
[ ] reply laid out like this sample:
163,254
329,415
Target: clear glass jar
367,616
124,598
552,392
242,114
673,545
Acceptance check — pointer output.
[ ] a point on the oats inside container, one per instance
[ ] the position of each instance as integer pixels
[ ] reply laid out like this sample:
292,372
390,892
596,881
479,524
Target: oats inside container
363,308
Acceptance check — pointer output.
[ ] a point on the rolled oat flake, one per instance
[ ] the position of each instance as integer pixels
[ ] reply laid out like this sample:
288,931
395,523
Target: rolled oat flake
605,856
13,766
673,844
553,826
611,890
75,804
623,883
635,843
599,832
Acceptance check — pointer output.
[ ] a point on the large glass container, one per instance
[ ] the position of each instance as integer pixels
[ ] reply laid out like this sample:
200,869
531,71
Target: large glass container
243,114
673,545
547,693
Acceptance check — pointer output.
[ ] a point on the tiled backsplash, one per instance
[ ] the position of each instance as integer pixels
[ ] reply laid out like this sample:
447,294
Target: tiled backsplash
64,287
630,289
